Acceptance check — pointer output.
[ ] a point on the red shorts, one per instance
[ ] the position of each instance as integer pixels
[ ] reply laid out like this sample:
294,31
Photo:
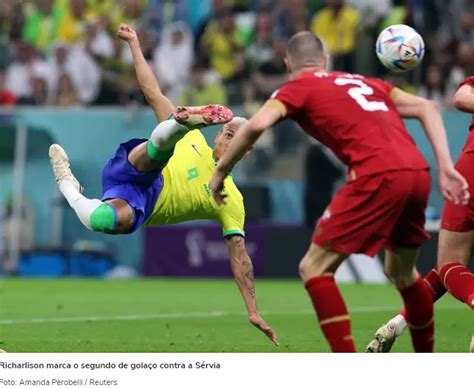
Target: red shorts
460,218
375,211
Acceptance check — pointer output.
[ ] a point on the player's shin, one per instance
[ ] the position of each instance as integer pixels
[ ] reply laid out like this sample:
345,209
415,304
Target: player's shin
94,214
418,303
332,313
437,289
459,281
160,146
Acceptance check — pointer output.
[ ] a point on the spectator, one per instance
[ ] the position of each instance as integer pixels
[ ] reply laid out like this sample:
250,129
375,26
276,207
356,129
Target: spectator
65,92
40,91
204,89
271,74
160,13
371,13
97,42
11,24
291,17
6,96
83,70
173,59
43,18
463,67
260,50
433,88
221,43
20,72
338,25
73,25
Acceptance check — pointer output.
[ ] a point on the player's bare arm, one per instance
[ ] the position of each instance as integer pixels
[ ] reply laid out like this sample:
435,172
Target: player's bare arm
268,115
452,184
149,85
242,269
464,99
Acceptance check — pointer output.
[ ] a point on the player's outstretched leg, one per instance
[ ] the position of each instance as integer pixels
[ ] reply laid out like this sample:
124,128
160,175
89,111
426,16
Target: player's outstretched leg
160,146
386,335
317,272
94,214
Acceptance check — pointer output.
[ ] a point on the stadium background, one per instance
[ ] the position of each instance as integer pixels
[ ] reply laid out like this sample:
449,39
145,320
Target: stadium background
65,78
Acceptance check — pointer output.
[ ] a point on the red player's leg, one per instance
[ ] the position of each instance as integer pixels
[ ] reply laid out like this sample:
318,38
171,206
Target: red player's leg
433,282
317,272
454,251
417,297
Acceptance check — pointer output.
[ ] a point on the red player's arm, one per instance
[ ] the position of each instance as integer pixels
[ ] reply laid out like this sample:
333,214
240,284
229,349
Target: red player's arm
242,269
271,112
427,112
464,99
453,186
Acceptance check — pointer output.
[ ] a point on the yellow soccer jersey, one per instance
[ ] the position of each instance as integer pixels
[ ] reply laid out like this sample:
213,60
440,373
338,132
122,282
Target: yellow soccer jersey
186,196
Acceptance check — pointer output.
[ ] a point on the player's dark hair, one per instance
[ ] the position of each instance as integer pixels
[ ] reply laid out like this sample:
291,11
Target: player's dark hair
305,49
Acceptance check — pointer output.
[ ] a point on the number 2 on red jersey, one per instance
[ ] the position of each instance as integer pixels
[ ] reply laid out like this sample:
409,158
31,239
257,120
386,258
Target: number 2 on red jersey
359,93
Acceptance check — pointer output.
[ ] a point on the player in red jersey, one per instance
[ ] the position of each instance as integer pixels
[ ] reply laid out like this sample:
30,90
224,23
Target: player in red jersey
456,240
384,200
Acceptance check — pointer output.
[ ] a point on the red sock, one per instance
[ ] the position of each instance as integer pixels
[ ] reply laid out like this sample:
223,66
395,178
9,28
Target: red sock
436,287
332,313
459,281
419,315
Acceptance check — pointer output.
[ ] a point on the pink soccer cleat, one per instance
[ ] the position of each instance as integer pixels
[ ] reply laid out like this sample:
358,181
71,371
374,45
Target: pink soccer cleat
201,116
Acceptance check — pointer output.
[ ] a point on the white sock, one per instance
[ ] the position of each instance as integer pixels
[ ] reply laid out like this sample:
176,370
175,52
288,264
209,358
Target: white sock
167,134
400,324
83,206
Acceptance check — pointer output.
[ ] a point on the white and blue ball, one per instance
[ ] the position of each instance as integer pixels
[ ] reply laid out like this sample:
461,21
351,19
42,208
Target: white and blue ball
400,48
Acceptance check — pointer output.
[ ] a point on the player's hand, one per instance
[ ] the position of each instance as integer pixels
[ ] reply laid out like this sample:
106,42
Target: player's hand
217,186
126,33
454,186
260,324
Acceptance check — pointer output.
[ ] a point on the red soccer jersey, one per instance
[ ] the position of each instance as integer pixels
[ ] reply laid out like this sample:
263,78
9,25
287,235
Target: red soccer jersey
355,117
469,147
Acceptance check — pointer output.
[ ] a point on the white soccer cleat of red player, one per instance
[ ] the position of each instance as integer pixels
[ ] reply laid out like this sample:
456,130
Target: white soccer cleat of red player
61,166
383,341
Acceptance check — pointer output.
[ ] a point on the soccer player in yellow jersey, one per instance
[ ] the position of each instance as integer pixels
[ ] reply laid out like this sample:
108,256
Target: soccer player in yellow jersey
164,180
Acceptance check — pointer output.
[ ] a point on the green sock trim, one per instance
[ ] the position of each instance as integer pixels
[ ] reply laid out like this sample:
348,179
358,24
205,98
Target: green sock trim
103,219
157,155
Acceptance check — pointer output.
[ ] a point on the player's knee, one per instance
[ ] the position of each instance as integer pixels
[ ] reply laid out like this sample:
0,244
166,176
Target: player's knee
104,219
402,279
311,266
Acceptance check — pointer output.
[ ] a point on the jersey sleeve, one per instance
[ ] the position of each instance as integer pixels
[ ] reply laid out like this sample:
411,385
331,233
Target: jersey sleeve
291,95
232,218
387,87
468,81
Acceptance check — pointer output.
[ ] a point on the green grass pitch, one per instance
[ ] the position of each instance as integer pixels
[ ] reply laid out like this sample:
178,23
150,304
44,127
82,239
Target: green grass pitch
194,316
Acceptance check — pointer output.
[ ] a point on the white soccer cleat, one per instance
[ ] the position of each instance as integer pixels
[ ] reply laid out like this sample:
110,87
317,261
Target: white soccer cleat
472,345
61,166
383,341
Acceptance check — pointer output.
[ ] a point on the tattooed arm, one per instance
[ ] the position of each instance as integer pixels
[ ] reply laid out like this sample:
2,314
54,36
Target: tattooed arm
243,273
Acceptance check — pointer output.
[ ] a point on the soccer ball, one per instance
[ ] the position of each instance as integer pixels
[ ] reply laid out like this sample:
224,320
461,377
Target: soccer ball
400,48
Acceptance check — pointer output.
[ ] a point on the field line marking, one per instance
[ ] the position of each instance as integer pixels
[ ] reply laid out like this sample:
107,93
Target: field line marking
204,314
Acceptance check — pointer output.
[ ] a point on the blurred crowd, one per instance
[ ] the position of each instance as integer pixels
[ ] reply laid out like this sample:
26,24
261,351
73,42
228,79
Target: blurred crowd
64,52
